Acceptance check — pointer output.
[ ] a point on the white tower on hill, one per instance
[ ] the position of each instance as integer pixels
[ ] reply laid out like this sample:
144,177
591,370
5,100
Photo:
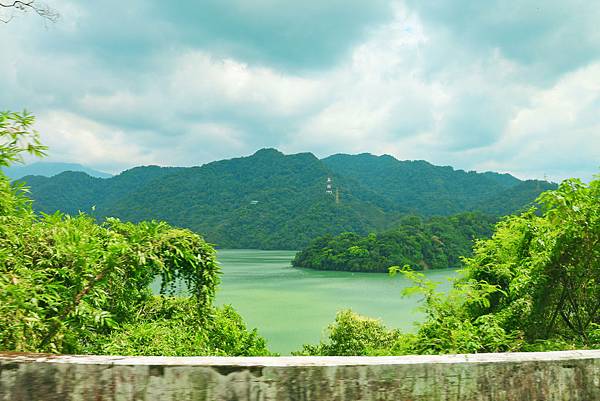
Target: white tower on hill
329,188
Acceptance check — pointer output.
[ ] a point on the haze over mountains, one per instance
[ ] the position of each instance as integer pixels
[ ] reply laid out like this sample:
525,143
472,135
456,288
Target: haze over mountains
49,169
274,201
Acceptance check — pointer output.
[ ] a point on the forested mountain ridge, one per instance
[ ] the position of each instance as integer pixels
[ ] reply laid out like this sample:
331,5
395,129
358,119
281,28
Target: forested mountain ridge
420,187
72,191
274,201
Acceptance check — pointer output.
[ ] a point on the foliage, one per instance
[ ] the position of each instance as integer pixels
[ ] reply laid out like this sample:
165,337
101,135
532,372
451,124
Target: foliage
352,334
419,187
546,268
17,137
275,201
436,243
67,283
168,327
63,278
533,286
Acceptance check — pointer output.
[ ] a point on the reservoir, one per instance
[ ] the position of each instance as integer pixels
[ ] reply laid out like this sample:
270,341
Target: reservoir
291,306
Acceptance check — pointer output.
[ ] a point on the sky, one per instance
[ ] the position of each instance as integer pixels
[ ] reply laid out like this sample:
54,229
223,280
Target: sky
502,86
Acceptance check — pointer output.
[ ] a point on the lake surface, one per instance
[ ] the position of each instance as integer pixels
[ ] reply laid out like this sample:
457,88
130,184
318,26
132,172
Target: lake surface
291,306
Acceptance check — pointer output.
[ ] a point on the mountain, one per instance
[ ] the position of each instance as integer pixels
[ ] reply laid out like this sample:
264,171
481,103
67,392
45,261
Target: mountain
75,191
274,201
420,187
50,169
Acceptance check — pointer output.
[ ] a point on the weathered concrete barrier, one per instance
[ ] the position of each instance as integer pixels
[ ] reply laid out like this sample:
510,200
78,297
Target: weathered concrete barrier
571,375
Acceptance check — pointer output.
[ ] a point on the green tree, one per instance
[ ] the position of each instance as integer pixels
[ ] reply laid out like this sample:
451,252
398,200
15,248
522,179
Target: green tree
352,334
17,137
534,285
70,285
436,243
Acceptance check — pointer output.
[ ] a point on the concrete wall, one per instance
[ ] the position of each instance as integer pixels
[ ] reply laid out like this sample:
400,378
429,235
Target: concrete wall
573,375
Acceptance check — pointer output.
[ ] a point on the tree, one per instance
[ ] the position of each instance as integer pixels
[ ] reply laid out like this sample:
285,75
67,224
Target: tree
438,242
24,6
18,137
70,285
533,286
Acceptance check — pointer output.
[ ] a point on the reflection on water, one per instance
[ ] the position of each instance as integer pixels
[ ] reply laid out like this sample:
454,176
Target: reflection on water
291,307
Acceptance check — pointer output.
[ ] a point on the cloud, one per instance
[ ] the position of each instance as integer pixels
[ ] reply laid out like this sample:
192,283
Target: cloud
87,142
290,35
501,86
206,84
376,97
559,133
550,38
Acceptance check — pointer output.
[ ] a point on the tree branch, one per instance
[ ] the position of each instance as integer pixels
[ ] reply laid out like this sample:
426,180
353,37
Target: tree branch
40,9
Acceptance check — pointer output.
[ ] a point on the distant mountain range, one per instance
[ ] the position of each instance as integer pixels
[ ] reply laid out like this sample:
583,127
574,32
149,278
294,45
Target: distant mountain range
49,169
274,201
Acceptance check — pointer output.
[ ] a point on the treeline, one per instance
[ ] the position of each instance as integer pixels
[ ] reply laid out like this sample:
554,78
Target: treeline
274,201
434,243
419,187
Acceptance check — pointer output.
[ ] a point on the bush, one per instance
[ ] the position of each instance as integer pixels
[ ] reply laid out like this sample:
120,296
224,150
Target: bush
70,285
352,334
168,326
533,286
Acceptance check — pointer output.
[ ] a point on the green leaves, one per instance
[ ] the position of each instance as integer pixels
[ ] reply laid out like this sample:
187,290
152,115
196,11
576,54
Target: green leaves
352,334
66,281
533,286
70,285
17,137
438,242
169,326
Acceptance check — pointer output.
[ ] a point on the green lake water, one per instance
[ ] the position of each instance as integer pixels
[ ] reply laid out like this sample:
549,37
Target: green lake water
291,306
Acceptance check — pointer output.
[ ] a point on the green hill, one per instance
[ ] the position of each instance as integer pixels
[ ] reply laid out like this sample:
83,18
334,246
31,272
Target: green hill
274,201
435,243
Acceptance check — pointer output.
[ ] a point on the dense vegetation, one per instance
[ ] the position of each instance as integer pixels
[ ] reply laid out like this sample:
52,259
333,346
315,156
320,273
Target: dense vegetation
534,285
436,243
69,285
419,187
275,201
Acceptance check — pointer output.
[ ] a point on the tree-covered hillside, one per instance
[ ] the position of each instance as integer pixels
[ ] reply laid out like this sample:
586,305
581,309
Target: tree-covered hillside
436,243
274,201
420,187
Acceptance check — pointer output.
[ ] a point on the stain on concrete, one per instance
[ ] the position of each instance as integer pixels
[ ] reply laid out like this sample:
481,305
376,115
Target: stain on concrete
570,375
156,370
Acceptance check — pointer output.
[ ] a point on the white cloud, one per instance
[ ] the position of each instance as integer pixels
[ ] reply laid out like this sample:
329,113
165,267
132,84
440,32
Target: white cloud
201,82
412,87
377,97
74,138
559,132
